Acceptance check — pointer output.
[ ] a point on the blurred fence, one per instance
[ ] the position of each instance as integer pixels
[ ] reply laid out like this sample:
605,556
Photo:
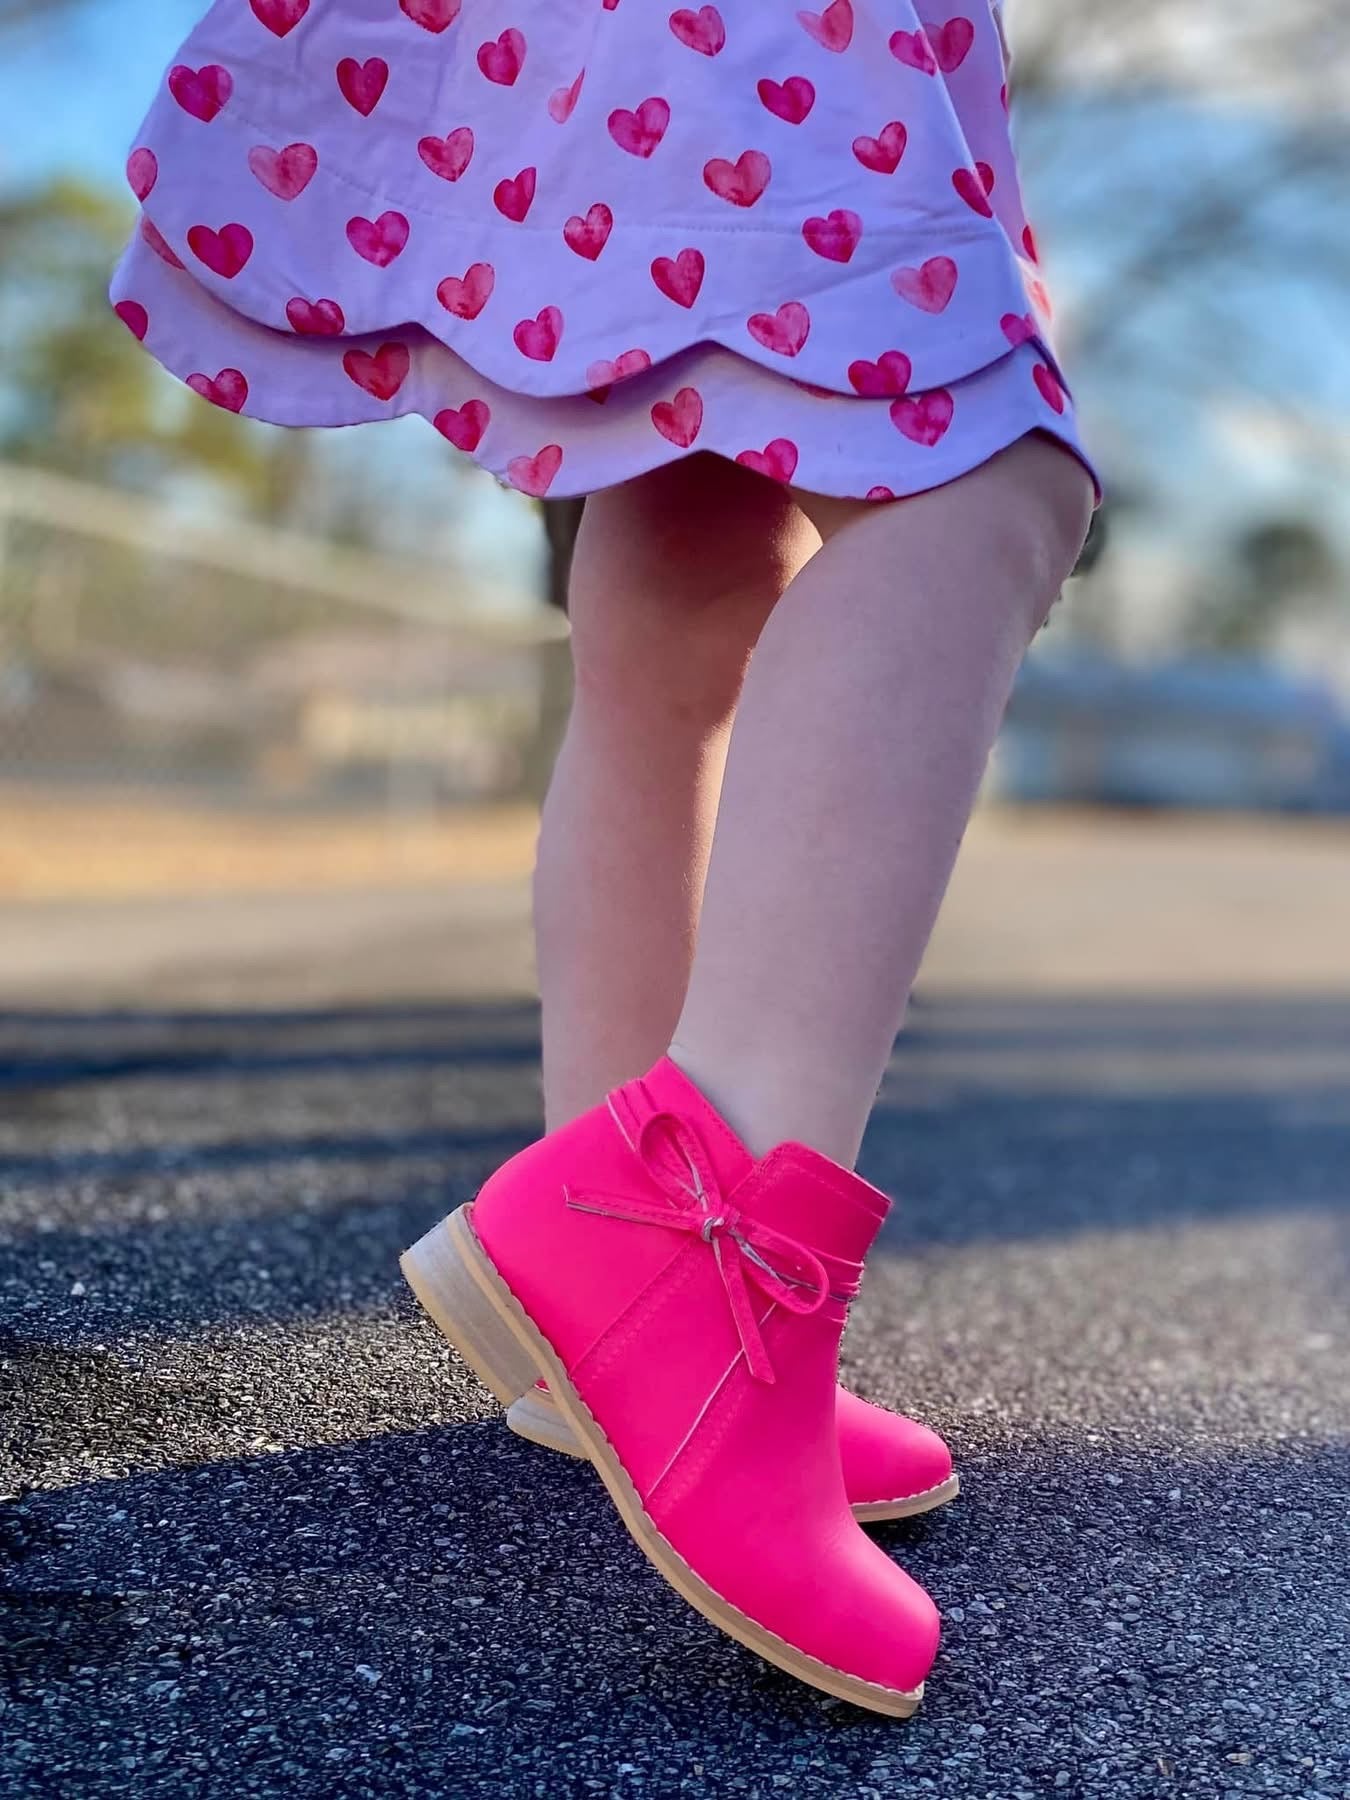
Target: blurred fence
256,665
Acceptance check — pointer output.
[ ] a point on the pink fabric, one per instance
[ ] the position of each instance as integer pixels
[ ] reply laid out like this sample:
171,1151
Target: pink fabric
585,237
742,1474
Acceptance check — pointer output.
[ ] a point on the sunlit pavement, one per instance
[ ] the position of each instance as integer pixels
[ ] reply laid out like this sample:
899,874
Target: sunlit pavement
265,1536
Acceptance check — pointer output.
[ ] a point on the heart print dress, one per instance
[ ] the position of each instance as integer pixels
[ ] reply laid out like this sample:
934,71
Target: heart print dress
586,237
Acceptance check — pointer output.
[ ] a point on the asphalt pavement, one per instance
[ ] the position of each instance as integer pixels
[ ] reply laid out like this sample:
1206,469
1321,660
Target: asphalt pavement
262,1534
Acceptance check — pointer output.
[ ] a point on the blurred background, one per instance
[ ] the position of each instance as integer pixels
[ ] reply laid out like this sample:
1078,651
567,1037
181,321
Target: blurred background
240,663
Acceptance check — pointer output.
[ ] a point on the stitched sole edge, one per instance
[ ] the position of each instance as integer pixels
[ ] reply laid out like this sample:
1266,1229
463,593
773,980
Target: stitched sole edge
895,1702
535,1418
876,1512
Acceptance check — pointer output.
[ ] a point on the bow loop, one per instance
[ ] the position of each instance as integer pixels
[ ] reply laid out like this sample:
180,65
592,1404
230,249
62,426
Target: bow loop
677,1161
783,1270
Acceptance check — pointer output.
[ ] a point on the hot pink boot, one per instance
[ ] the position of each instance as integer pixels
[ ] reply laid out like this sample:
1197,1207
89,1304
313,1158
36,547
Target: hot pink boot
894,1468
684,1304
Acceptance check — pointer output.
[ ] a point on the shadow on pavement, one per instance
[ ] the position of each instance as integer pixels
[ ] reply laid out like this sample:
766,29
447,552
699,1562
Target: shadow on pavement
454,1607
162,1159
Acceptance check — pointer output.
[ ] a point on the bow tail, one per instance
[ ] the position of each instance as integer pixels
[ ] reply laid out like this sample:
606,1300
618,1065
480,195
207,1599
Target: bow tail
732,1271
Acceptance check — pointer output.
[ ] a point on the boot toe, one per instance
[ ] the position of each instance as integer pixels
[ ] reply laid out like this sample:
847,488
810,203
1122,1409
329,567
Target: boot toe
887,1457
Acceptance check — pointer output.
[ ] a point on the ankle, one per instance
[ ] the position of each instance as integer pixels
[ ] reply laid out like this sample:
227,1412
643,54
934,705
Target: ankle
766,1105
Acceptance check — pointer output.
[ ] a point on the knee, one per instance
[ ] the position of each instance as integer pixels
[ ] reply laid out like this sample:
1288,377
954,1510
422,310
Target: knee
657,667
674,579
1050,522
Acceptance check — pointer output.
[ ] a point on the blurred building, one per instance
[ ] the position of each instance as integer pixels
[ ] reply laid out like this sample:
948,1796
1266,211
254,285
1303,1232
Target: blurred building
1085,728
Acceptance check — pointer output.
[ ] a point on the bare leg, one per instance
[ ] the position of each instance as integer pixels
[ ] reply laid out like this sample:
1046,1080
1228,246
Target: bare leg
674,576
865,723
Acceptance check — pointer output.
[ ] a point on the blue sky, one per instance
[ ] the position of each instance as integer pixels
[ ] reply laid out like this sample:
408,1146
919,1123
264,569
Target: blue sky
73,97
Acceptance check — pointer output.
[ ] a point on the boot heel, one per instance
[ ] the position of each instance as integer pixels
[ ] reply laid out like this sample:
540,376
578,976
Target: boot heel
439,1270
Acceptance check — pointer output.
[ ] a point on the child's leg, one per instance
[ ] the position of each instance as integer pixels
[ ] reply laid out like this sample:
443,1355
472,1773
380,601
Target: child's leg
673,578
875,693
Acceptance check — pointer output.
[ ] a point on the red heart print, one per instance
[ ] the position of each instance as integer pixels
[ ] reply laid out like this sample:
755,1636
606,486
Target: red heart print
1003,96
879,493
382,374
777,460
380,240
950,42
466,295
465,426
1029,244
1048,383
702,30
315,318
158,243
924,418
589,236
1040,298
930,287
432,15
449,156
680,420
362,84
285,173
534,475
680,278
833,28
783,332
539,338
836,237
562,101
741,182
623,368
134,316
201,92
502,62
225,251
1018,327
279,16
640,132
883,379
914,50
514,198
973,191
610,5
142,173
882,154
790,100
228,389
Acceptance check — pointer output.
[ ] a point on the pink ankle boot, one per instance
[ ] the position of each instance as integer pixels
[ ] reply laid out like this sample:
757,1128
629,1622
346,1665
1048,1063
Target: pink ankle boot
894,1468
685,1303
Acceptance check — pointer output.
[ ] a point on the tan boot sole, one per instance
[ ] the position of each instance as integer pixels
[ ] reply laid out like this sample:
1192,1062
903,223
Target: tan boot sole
877,1512
473,1307
535,1417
